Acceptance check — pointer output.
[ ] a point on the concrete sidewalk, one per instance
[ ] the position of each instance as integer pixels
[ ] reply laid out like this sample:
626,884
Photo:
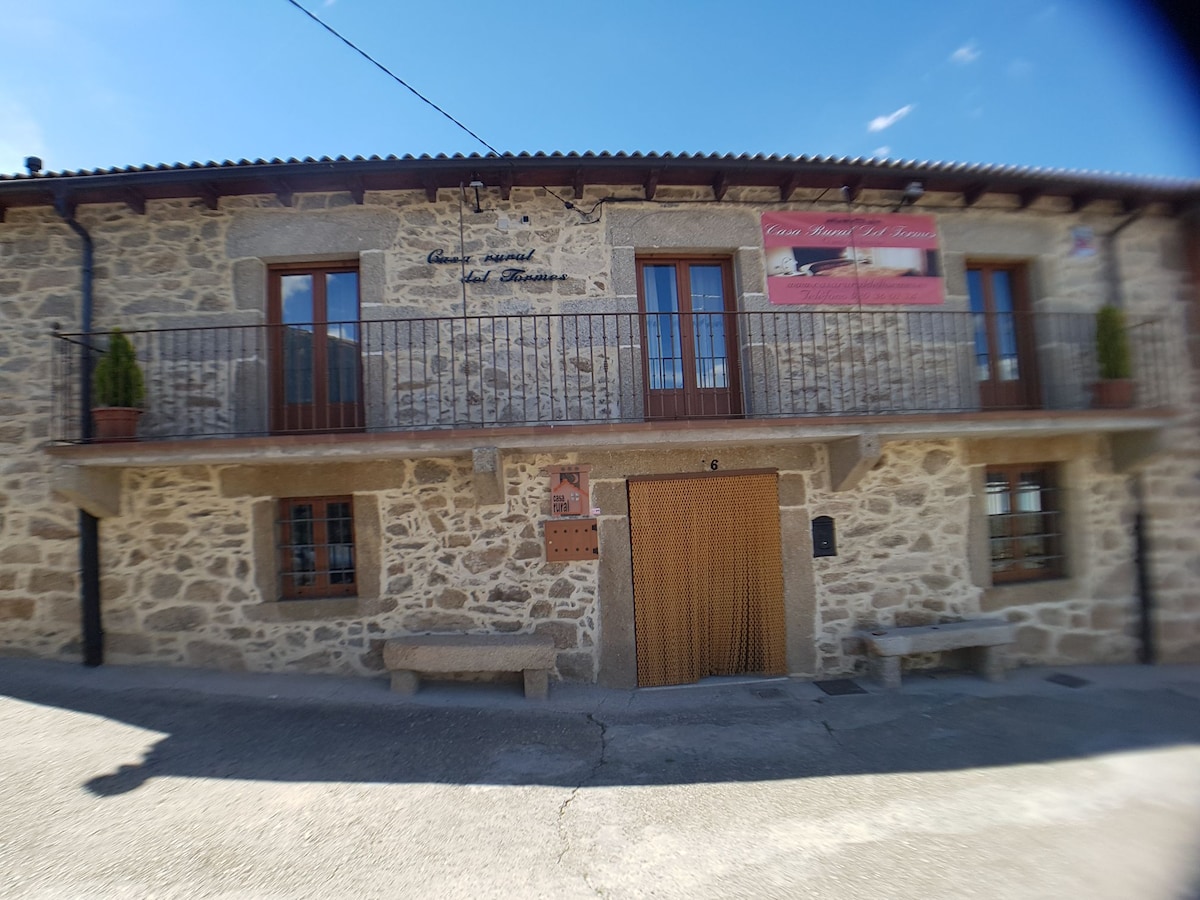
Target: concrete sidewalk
565,697
119,782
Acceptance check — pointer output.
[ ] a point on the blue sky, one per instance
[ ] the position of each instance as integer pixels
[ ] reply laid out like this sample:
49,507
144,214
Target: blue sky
1077,84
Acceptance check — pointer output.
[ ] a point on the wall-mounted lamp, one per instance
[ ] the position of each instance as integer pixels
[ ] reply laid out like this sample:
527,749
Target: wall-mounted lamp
913,192
476,184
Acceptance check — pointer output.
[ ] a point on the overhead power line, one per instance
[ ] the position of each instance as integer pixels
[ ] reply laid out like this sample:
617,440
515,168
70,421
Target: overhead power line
367,56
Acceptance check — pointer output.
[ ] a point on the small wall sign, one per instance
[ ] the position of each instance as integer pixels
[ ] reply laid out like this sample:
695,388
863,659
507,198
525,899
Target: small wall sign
569,491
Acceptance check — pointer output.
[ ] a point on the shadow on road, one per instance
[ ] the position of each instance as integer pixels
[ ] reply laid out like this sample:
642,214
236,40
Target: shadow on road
752,739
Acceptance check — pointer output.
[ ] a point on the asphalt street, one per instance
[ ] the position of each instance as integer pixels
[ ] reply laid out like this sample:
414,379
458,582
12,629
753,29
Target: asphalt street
142,782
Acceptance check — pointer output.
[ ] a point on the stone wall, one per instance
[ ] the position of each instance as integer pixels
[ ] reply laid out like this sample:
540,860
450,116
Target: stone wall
906,557
181,565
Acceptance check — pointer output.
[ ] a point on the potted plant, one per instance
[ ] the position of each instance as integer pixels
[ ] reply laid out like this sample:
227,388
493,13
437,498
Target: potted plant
118,390
1114,390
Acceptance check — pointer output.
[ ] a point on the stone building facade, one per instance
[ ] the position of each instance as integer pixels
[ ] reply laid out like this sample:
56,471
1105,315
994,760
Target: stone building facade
504,332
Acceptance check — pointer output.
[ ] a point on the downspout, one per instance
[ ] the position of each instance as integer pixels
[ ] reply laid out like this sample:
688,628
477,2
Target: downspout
89,526
1141,553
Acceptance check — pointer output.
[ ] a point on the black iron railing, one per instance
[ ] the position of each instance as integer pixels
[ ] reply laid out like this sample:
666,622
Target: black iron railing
529,370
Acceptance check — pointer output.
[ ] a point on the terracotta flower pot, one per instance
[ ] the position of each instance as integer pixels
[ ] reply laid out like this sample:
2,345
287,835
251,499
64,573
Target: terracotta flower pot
1112,393
115,423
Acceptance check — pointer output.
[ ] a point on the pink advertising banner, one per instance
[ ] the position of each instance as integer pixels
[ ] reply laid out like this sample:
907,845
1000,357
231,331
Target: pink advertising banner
851,259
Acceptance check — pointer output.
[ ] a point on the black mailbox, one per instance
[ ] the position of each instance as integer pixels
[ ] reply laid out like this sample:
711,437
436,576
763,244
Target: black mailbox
824,538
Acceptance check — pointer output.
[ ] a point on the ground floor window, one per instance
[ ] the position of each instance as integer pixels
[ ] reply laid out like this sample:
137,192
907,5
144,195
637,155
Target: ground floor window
1025,526
316,547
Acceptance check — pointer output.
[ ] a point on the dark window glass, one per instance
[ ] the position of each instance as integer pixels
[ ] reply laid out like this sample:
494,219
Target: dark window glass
316,547
1024,523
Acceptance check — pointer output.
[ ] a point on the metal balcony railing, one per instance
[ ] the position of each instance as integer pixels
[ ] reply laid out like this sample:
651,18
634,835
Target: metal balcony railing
530,370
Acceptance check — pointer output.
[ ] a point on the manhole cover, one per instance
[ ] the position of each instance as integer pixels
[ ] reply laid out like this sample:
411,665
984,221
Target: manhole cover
839,686
1071,681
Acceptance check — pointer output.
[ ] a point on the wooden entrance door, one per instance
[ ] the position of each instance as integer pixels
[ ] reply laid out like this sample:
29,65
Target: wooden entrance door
707,585
316,357
1004,345
689,338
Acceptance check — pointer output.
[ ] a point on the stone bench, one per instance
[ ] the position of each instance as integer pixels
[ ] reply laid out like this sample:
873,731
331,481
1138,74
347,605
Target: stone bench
407,658
987,637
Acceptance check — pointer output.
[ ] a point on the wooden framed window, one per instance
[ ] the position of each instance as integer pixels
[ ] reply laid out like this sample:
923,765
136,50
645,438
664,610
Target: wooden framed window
1004,342
316,547
316,348
689,337
1025,526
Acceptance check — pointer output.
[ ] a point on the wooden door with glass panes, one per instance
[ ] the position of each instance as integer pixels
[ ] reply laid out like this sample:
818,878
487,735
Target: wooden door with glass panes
689,336
316,353
1004,345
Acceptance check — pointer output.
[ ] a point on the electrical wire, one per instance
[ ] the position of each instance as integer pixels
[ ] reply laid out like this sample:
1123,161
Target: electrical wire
393,76
365,55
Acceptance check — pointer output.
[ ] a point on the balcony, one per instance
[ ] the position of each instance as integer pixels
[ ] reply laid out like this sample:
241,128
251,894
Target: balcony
616,369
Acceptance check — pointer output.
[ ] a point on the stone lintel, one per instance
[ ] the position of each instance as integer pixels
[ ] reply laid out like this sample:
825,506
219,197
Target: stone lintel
1131,450
1003,451
96,491
488,479
312,479
851,458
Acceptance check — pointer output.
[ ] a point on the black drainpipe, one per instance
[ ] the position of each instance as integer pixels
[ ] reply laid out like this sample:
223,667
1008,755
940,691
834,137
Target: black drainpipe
1141,555
89,526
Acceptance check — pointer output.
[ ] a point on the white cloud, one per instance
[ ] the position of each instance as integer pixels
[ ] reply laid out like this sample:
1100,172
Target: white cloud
882,152
965,54
881,122
1020,68
20,137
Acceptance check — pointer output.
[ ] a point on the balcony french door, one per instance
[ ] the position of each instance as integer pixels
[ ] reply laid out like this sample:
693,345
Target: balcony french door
689,338
316,358
1004,345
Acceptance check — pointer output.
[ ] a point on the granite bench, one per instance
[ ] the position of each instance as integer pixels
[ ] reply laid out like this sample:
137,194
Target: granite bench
987,637
533,655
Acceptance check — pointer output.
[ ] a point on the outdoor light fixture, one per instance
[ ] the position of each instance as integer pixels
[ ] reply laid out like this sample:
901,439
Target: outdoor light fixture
913,192
477,184
33,164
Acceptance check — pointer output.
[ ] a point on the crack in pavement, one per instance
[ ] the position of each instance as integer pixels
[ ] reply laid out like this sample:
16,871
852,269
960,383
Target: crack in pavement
562,809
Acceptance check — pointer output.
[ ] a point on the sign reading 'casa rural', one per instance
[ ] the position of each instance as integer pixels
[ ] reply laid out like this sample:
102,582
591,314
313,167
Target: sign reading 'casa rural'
851,259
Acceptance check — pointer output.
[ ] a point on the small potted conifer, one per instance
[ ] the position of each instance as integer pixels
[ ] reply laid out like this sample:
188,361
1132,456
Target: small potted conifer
118,390
1114,390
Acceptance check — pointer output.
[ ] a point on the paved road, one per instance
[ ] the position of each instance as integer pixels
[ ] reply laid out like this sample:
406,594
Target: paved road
121,782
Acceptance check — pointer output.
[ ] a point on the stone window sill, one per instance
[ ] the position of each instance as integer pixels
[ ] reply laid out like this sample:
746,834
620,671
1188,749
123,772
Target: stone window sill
304,610
1002,596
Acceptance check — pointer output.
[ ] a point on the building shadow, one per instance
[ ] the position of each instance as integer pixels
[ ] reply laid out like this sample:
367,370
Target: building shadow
765,735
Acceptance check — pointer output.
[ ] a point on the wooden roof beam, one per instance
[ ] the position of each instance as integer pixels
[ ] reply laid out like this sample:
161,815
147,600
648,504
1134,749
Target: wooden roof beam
356,189
506,184
135,200
973,193
578,183
1028,197
651,183
208,195
1131,204
1080,200
431,188
789,187
720,185
283,191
